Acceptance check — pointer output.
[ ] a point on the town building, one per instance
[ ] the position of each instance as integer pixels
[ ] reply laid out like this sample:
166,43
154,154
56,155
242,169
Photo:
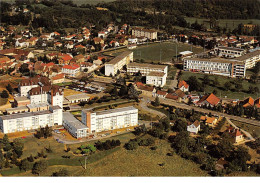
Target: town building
77,98
74,126
194,127
250,59
116,64
31,120
229,52
217,66
110,119
140,32
183,86
133,68
71,70
156,79
208,100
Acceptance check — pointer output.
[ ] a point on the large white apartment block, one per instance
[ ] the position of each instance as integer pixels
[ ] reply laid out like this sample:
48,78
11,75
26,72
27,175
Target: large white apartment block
74,126
118,63
140,32
218,66
156,79
71,70
31,120
133,68
250,59
110,119
229,52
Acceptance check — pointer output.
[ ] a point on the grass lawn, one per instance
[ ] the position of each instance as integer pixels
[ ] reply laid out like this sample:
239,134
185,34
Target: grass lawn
151,52
3,101
221,93
253,130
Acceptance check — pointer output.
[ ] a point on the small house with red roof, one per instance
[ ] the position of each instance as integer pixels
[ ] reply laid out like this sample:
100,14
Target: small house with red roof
160,94
59,78
208,100
257,103
183,86
194,127
71,70
236,135
249,102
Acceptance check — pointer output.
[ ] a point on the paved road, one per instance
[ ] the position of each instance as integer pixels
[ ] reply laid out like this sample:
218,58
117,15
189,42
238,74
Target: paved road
190,107
144,103
249,136
174,82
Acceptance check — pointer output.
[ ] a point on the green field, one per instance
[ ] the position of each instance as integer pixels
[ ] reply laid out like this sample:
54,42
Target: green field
151,52
114,162
222,80
228,23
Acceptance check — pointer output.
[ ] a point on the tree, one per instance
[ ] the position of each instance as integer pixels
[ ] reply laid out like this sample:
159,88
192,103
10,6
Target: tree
180,126
227,85
9,88
6,143
194,84
61,173
206,80
18,146
4,94
26,165
39,167
123,91
114,91
131,145
156,101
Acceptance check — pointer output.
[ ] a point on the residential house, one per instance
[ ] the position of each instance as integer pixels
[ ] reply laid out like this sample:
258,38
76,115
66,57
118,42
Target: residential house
71,70
194,127
235,134
183,86
208,100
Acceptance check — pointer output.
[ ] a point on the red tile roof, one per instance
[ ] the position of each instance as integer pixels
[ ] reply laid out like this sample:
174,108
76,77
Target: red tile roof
211,99
72,67
160,92
183,83
248,102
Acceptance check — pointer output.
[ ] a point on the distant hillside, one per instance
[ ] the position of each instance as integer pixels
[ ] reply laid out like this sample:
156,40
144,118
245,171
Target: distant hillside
219,9
94,2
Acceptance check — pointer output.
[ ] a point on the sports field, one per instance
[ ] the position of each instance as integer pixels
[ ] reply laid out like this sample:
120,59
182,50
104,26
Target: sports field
157,52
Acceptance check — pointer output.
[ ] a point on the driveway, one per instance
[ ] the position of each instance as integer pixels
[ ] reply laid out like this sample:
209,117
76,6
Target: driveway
143,105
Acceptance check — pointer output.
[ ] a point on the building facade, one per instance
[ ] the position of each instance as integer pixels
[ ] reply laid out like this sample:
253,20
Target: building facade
229,52
140,32
156,79
133,68
31,120
218,66
110,119
74,126
116,64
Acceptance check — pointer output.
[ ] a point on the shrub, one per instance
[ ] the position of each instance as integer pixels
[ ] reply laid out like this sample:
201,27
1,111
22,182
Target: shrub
131,145
61,173
154,148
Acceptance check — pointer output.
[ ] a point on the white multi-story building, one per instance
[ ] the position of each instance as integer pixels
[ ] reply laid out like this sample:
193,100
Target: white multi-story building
133,68
156,78
218,66
250,59
74,126
31,120
110,119
71,70
140,32
118,63
229,52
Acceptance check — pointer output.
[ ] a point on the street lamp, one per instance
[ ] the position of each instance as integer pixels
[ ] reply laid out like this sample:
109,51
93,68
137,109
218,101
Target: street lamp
86,162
